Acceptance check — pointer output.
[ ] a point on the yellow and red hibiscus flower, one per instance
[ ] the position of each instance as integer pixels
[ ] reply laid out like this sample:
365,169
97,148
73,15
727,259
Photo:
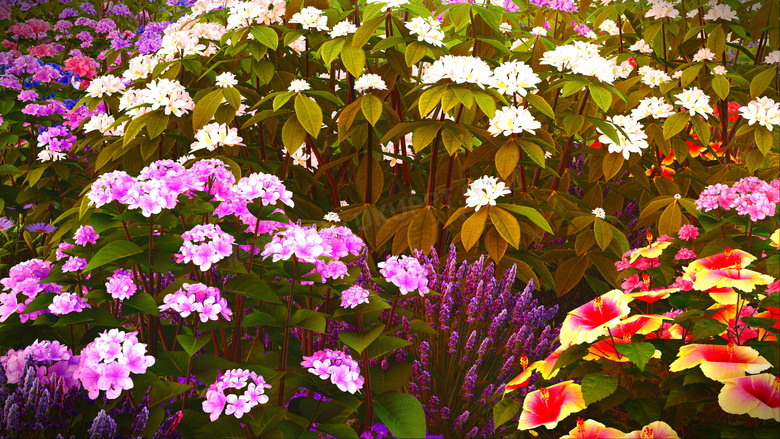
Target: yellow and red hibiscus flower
770,313
548,406
755,395
741,279
727,314
719,362
652,250
723,296
590,321
774,239
622,333
650,296
728,259
546,367
654,430
591,429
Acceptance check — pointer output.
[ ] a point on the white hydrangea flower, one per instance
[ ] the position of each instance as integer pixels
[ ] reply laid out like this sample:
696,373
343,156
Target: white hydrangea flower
652,106
720,12
763,110
582,59
609,27
514,77
104,85
311,18
641,46
370,81
101,124
460,70
653,77
427,30
342,29
635,142
599,213
140,67
298,85
695,101
226,79
513,120
719,70
332,217
485,190
214,135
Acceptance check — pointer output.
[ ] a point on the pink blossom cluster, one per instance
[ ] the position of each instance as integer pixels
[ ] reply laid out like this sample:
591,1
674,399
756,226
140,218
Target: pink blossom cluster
354,296
688,232
749,196
204,245
60,251
66,303
53,360
266,187
74,263
121,285
641,263
406,273
308,244
85,235
106,363
24,278
237,405
206,301
337,366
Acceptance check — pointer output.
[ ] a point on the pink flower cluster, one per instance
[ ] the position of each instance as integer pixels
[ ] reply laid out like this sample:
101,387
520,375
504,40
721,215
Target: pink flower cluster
121,285
205,245
206,301
74,263
749,196
268,188
406,273
57,362
308,244
24,278
85,235
67,303
237,405
354,296
337,366
107,362
688,232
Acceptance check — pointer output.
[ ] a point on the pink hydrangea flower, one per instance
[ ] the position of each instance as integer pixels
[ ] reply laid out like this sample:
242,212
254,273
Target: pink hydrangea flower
205,245
684,253
688,232
74,263
206,301
354,296
237,404
406,273
53,360
121,285
85,235
337,366
67,303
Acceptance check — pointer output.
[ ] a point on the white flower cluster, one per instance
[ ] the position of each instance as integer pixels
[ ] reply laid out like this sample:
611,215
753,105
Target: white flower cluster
342,29
370,81
484,191
243,14
704,54
695,101
599,213
773,57
427,30
310,18
140,66
332,217
609,27
763,110
720,12
641,46
653,77
167,94
104,85
389,4
298,85
584,59
460,70
514,77
102,122
213,135
539,31
635,142
226,79
661,9
513,120
719,70
652,106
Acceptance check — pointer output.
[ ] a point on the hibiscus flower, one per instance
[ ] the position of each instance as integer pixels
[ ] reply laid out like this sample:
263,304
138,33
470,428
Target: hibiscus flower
548,406
719,362
756,395
590,321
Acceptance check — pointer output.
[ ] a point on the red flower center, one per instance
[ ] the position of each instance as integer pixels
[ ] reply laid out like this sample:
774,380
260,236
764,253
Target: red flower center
545,394
647,433
598,302
581,426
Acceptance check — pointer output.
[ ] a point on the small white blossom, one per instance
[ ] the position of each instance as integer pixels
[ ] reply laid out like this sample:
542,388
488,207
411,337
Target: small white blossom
677,196
599,213
484,191
662,10
514,77
513,120
635,142
763,110
370,81
298,85
641,46
505,28
332,217
653,77
695,101
652,106
342,29
720,12
719,70
389,4
427,30
539,31
773,57
609,27
226,79
704,54
310,18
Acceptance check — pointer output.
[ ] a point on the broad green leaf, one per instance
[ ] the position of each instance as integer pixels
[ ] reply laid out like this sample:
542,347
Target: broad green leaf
612,164
429,99
702,128
721,86
507,158
671,220
111,252
596,387
338,430
506,225
540,104
293,135
415,51
206,108
266,35
372,108
534,151
156,123
505,410
764,139
192,344
354,59
256,318
359,342
250,286
569,273
402,414
42,301
472,228
232,96
601,95
309,114
366,31
142,302
165,391
642,410
330,50
761,81
385,344
675,123
638,353
570,355
530,213
423,230
603,232
705,328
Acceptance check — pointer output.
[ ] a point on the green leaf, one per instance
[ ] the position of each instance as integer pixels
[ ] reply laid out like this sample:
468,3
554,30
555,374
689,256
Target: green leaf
761,81
142,302
330,50
705,328
192,344
506,225
507,158
402,414
530,213
596,387
415,51
721,86
205,109
41,302
472,228
250,286
612,164
366,31
354,59
156,123
702,128
642,410
540,104
601,95
338,430
293,135
309,114
638,353
266,35
505,410
232,96
111,252
359,342
764,139
165,391
256,318
429,99
603,232
372,108
384,344
570,355
674,124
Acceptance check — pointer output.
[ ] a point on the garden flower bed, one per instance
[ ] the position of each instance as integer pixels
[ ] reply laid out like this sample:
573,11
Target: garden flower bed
403,218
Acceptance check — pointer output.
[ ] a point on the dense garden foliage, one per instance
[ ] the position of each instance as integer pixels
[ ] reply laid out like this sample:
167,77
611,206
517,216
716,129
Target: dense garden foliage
401,218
